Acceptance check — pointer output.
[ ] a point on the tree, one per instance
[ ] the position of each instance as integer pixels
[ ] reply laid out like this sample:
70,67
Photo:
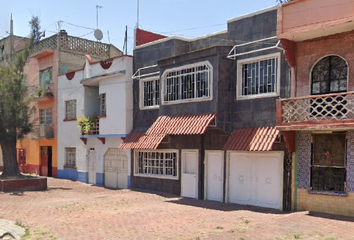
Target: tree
15,110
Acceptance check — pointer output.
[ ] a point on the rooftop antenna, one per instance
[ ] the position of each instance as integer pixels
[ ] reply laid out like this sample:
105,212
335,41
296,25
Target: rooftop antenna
137,14
97,7
98,33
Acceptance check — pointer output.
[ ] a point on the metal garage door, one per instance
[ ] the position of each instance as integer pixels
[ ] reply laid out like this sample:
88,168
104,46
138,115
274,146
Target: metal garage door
255,178
116,168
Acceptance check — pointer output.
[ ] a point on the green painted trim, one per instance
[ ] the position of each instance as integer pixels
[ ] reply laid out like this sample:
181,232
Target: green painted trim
296,170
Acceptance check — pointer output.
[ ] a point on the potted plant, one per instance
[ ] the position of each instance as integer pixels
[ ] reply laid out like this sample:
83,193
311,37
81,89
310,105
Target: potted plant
40,91
85,124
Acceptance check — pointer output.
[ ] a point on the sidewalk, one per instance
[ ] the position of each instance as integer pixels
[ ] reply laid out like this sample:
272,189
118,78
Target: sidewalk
73,210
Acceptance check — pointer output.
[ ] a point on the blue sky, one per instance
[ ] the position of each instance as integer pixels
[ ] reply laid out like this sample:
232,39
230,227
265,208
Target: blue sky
185,18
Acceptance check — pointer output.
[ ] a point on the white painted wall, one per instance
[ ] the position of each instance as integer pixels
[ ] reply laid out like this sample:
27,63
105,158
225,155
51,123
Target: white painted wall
116,82
101,149
119,100
68,131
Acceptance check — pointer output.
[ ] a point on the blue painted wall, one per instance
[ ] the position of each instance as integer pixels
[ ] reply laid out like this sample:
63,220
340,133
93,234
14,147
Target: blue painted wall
68,173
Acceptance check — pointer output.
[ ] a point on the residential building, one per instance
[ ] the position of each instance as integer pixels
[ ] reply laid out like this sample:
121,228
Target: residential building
49,57
191,94
317,119
95,113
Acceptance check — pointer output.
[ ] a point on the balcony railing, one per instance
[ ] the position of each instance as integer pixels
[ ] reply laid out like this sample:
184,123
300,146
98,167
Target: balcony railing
42,92
318,108
43,131
91,127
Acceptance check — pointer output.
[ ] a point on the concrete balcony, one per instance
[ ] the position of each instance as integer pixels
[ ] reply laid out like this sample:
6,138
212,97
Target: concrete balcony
318,112
42,93
43,131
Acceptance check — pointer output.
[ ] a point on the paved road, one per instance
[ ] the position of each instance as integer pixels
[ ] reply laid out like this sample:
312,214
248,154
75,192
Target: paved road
73,210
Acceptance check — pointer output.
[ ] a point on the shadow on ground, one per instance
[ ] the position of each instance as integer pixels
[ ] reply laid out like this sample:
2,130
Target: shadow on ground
224,206
331,216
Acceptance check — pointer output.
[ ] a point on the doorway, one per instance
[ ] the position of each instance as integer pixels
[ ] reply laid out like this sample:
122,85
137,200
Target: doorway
46,161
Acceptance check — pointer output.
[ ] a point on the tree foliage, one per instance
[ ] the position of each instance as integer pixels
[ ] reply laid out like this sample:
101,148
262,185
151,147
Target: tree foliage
15,110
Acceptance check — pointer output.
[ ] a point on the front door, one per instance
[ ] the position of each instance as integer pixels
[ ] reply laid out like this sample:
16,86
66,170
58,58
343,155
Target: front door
44,161
189,181
92,166
214,178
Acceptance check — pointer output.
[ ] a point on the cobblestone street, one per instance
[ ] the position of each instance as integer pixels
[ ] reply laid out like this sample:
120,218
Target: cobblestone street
73,210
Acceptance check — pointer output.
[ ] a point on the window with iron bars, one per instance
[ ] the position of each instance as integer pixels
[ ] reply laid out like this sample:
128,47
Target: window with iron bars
328,171
150,92
189,82
159,164
70,109
70,157
258,77
45,116
103,106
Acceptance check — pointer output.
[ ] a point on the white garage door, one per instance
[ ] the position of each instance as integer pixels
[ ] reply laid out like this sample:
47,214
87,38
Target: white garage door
255,179
116,168
214,177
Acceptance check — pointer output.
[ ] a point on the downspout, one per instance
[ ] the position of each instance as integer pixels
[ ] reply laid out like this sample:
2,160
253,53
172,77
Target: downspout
296,172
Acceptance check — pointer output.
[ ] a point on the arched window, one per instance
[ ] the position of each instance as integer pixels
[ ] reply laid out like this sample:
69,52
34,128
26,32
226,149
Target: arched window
329,75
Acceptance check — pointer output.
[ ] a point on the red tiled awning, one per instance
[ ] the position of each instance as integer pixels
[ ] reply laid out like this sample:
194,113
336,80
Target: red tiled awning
139,140
181,124
252,139
168,125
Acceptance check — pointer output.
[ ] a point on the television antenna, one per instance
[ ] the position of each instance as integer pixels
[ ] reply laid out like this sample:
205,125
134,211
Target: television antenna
98,33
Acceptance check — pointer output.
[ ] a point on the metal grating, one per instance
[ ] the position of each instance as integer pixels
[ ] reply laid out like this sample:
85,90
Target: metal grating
318,108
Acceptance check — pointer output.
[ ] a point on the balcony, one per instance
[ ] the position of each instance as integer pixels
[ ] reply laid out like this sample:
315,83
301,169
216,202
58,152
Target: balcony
43,132
319,112
42,93
89,125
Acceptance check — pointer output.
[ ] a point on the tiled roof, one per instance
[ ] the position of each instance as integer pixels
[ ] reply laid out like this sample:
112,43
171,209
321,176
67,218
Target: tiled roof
181,124
139,140
252,139
168,125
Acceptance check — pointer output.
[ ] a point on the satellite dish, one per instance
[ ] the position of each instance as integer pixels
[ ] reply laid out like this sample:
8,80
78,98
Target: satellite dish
98,34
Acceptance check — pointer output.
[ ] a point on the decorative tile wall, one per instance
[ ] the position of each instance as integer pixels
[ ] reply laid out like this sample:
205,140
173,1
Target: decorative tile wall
350,161
304,160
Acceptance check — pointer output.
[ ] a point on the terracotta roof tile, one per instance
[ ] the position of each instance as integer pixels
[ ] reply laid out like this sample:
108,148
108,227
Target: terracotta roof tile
252,139
181,124
139,140
168,125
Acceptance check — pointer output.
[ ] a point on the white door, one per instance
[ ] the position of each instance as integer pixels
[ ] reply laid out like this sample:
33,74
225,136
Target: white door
189,181
255,179
92,166
269,182
240,177
214,177
116,168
